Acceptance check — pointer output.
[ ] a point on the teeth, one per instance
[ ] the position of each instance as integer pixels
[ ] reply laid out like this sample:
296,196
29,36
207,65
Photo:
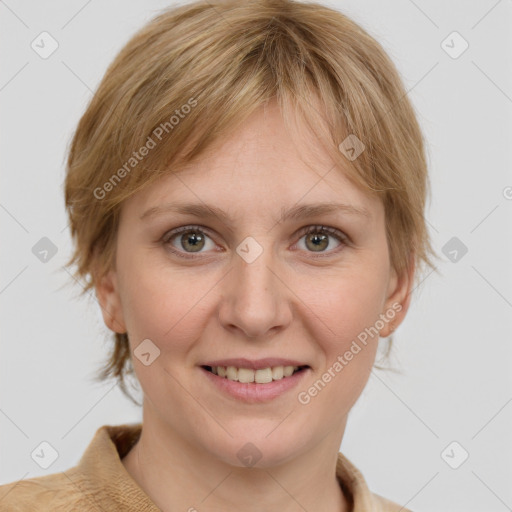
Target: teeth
278,372
245,375
231,373
261,376
288,370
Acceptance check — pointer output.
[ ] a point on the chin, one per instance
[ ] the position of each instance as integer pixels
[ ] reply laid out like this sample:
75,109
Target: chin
265,445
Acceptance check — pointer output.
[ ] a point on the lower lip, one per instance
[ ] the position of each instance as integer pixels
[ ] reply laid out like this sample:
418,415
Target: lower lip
255,393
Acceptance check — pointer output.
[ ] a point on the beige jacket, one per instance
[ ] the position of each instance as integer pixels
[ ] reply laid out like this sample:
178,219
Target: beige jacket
100,483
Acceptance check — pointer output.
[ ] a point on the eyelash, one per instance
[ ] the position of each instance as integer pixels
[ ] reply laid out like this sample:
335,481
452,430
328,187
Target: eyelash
342,238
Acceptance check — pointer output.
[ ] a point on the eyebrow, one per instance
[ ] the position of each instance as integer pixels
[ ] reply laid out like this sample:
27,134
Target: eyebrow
298,212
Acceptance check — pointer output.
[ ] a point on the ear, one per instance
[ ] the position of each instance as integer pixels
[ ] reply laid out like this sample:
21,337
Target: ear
107,292
398,298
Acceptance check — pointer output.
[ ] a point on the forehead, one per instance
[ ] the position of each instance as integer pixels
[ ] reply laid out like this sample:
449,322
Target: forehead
261,165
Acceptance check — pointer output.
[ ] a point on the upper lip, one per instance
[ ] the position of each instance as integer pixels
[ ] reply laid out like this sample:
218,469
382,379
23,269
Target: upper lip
254,364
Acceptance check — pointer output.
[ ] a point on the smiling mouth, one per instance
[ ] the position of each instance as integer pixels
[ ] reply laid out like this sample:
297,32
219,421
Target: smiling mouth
248,375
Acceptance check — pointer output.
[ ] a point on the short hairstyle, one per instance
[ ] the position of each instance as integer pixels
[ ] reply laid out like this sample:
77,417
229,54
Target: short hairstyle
194,73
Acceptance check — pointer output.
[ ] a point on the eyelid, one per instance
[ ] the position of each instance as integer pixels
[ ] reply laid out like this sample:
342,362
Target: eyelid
182,229
324,229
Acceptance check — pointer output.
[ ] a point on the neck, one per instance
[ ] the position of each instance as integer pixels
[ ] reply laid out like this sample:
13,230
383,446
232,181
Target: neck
178,476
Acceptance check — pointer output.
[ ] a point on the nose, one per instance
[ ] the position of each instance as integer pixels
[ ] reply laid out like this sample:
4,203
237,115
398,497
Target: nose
255,298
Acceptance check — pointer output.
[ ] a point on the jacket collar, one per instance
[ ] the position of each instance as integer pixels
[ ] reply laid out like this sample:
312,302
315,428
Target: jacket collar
102,472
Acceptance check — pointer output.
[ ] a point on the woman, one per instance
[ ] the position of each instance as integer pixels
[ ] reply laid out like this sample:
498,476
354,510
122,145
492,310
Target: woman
246,193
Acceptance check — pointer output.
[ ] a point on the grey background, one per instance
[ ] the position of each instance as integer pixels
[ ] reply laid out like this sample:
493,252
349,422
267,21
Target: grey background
454,348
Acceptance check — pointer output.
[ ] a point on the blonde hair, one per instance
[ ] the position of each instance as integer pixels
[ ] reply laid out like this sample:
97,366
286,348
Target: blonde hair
195,72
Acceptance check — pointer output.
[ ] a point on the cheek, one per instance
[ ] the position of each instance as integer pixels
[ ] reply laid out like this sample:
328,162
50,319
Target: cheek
164,306
341,317
342,320
343,305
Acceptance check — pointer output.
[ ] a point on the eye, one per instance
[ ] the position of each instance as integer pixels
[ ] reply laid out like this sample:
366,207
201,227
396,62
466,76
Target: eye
188,239
316,238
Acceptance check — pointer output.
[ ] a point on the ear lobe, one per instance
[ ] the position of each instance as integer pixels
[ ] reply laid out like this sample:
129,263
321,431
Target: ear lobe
109,300
399,298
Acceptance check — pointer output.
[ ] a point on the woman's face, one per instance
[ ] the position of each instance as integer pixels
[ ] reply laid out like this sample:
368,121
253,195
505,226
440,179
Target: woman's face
246,282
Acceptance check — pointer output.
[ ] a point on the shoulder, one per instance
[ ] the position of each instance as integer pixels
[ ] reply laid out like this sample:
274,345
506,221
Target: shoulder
56,492
98,481
388,505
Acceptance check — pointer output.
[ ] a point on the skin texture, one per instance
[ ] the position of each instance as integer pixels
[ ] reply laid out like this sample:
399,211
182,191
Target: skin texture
291,302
